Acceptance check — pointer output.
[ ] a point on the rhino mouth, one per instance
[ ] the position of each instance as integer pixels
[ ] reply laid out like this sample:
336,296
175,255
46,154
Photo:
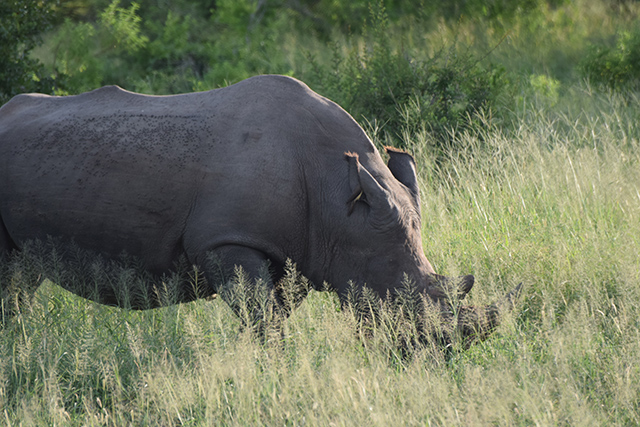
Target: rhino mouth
412,319
473,324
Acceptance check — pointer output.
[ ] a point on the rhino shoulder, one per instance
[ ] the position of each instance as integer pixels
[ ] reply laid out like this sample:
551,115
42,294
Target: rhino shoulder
105,94
110,90
270,80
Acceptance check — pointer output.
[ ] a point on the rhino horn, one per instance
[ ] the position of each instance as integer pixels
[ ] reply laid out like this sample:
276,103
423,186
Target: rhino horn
478,323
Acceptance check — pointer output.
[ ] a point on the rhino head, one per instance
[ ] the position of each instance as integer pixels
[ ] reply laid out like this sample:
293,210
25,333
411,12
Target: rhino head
383,243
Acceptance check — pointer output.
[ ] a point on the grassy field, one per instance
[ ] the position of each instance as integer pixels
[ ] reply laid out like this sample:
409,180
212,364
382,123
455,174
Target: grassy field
555,204
544,191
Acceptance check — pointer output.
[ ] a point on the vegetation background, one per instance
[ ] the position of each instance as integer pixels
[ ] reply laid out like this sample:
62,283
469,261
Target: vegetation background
523,116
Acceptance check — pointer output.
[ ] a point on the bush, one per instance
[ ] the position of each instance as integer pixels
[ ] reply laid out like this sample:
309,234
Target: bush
21,24
98,53
148,48
616,67
402,94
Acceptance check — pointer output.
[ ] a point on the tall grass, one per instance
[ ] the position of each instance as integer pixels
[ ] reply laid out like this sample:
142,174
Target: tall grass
554,203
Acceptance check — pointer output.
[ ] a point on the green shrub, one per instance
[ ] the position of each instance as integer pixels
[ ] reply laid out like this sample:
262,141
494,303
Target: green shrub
545,87
22,23
616,67
401,93
145,47
93,54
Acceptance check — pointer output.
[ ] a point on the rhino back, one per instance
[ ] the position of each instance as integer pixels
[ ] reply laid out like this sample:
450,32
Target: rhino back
157,175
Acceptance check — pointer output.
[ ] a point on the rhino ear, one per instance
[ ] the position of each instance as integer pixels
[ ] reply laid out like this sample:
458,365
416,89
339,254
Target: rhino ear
403,167
364,187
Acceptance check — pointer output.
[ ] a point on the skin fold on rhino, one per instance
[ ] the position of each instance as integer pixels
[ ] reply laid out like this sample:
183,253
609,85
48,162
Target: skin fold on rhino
263,171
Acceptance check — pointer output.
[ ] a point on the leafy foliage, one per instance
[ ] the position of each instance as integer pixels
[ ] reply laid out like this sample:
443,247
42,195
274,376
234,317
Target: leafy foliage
123,27
403,94
553,203
548,197
494,9
617,67
148,48
90,53
22,23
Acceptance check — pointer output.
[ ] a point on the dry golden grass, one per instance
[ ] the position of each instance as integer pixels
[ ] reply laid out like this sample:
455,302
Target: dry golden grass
555,204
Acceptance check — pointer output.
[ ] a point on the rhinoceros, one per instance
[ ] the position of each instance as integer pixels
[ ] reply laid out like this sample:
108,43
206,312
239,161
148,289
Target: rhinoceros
264,170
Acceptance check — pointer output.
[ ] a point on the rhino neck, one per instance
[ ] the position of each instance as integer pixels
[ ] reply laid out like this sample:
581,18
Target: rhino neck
323,213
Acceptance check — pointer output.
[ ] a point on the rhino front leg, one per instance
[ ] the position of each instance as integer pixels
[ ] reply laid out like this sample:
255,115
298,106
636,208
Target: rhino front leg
242,277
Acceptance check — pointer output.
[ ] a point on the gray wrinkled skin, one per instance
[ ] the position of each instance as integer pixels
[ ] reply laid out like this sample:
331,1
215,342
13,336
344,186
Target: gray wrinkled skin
265,169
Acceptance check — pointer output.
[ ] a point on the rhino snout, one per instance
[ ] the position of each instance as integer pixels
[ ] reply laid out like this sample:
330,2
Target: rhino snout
477,323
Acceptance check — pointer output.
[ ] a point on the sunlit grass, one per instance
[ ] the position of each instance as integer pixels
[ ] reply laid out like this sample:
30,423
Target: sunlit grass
551,200
555,204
